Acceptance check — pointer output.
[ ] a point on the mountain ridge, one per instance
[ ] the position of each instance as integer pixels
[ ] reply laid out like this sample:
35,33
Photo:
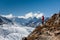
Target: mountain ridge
30,22
48,31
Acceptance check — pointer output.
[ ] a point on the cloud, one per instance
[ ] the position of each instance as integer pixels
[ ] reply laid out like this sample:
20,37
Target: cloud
28,15
8,16
21,17
39,15
32,15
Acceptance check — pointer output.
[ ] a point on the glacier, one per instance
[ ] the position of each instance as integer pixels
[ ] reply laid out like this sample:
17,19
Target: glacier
14,32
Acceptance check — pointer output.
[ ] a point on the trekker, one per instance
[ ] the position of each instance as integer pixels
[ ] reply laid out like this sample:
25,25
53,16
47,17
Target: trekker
42,19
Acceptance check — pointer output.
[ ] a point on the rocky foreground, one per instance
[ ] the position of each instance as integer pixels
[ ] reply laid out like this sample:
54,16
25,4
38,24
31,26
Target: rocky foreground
48,31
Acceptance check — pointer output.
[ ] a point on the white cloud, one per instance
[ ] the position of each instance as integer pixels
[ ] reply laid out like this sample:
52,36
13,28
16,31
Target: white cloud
8,16
39,15
21,17
31,14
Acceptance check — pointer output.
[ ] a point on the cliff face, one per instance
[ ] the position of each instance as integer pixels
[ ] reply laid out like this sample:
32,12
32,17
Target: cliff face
48,31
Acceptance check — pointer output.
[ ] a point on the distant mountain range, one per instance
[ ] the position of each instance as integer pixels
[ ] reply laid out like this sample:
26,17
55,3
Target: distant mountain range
31,22
4,20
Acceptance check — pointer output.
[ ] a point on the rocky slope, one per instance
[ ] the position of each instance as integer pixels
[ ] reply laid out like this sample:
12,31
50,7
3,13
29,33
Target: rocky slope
48,31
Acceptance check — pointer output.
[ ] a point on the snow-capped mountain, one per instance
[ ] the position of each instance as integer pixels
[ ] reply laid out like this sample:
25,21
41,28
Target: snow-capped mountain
17,27
31,20
4,20
9,30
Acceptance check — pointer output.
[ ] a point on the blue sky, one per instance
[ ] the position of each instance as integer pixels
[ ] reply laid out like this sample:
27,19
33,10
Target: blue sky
21,7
